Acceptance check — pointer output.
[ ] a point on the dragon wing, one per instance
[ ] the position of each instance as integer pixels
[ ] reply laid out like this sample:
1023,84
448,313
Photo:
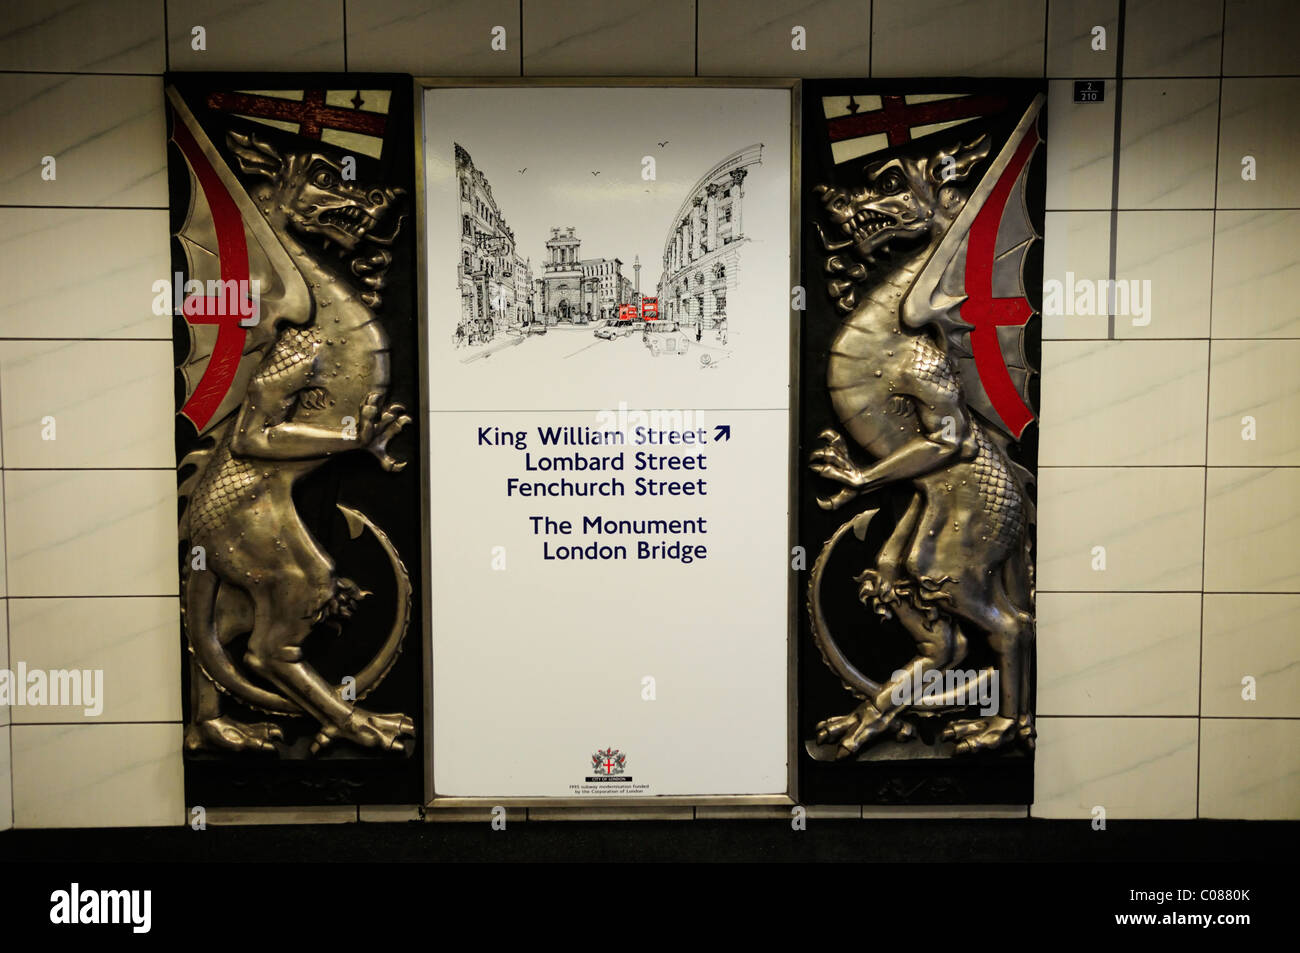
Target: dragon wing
973,288
225,238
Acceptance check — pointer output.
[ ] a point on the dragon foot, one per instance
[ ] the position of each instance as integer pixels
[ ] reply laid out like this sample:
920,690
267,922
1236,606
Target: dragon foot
832,461
368,729
227,734
982,734
380,425
1027,731
882,590
347,595
859,726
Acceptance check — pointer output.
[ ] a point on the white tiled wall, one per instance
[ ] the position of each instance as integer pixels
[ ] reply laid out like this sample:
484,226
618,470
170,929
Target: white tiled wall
1141,664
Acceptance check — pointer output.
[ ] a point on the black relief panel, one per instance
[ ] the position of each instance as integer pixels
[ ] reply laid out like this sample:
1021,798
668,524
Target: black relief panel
300,466
922,208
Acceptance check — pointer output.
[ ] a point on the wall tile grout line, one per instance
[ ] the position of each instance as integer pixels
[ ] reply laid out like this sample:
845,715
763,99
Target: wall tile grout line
1176,592
87,469
1209,379
67,72
111,595
1144,466
92,208
1047,33
871,37
4,547
1115,156
97,722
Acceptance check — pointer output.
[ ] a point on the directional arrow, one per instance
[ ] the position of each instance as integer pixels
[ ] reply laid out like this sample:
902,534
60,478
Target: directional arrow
723,433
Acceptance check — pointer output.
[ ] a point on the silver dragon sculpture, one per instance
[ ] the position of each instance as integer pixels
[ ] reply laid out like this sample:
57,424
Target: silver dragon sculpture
922,266
308,384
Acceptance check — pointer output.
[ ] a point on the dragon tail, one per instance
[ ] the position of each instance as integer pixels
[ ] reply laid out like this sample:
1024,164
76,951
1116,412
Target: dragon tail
198,608
853,680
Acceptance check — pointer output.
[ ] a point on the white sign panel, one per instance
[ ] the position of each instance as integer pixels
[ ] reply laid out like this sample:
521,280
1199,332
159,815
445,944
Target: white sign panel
608,328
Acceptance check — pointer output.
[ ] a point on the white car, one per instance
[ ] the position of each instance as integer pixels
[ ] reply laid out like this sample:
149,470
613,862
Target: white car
661,337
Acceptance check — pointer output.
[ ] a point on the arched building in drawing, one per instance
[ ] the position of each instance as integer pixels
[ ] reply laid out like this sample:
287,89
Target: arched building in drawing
702,250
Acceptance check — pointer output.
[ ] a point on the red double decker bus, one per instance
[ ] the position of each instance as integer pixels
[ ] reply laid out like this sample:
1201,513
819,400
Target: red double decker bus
650,309
626,312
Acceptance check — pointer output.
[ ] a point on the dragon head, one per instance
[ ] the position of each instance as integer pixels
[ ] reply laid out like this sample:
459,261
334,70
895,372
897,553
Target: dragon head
312,196
898,198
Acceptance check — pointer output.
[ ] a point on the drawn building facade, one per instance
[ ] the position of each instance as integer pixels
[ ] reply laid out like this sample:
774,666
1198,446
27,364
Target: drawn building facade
701,256
495,282
579,290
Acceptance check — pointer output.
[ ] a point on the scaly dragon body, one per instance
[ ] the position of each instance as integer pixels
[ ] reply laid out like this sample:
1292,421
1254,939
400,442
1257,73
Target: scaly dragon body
957,561
319,388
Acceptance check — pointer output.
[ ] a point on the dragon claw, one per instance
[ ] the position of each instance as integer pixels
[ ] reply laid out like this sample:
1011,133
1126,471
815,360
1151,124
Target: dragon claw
833,462
369,730
383,427
228,734
857,728
981,734
838,500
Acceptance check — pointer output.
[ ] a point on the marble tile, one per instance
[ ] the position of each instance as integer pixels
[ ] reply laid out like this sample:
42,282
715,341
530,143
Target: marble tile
1251,635
6,783
609,38
1165,259
1256,275
4,567
1130,653
433,37
389,813
1167,143
1123,403
1148,519
105,133
83,273
1251,525
876,812
1254,379
1172,37
986,38
4,656
1133,768
778,812
748,38
1260,37
98,776
1080,148
134,642
470,815
91,532
1070,38
1261,119
1076,248
90,36
110,403
1250,769
598,813
257,34
262,816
